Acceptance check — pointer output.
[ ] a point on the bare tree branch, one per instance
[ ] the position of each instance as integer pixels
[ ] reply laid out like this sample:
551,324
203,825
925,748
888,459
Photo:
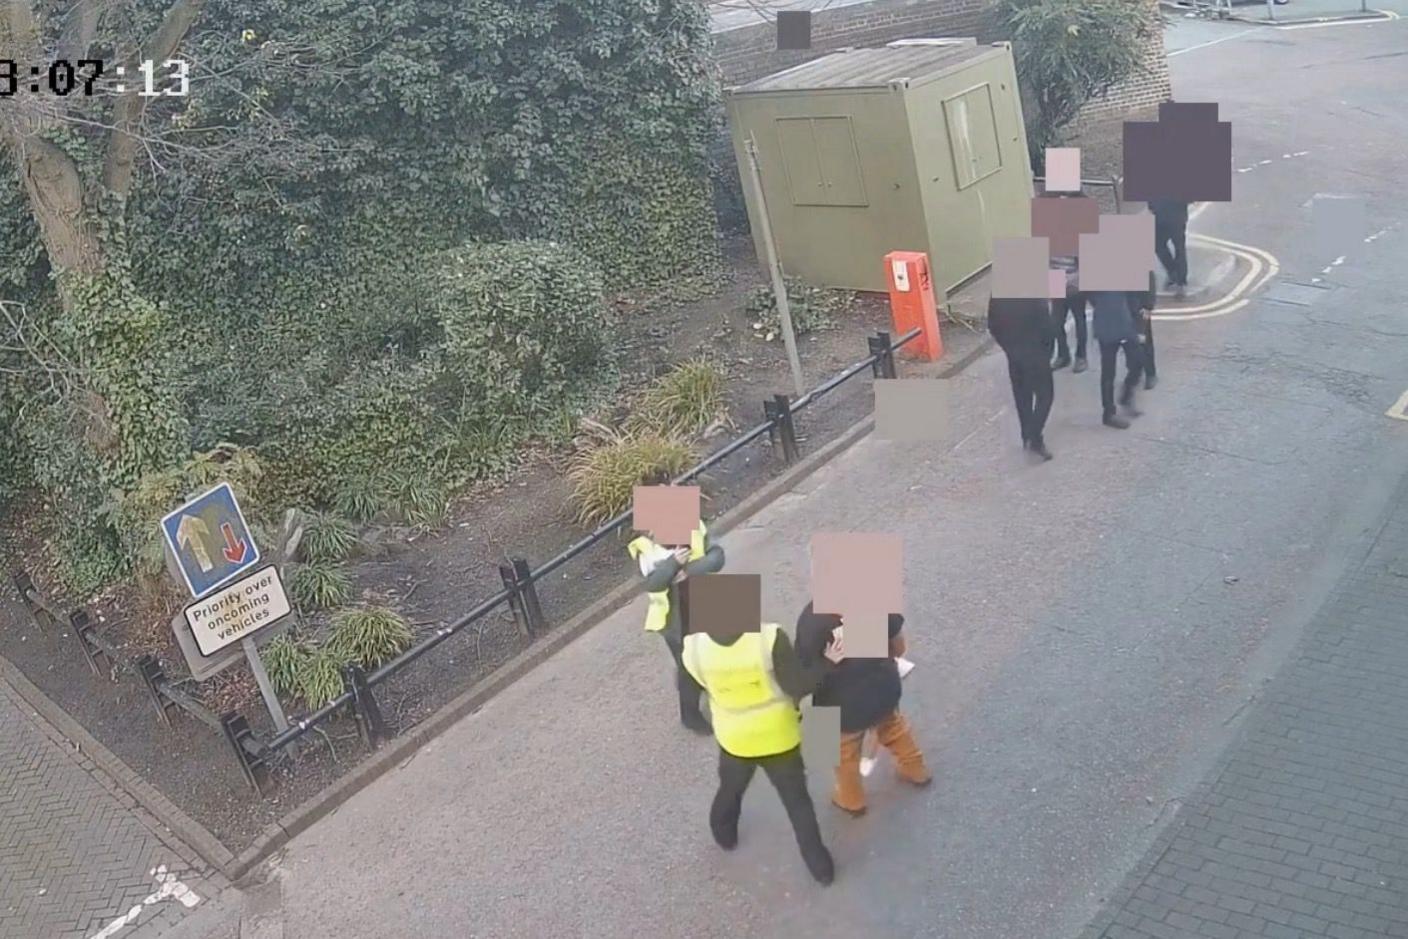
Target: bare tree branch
122,148
80,29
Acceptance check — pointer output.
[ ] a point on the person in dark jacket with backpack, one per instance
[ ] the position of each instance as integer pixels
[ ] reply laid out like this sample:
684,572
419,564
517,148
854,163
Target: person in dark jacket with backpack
867,690
1026,332
1114,328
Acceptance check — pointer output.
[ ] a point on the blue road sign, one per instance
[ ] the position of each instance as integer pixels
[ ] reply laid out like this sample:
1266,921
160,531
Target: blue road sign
210,540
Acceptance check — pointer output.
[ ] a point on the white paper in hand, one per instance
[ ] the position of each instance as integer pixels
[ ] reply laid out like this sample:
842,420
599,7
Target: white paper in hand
867,764
905,666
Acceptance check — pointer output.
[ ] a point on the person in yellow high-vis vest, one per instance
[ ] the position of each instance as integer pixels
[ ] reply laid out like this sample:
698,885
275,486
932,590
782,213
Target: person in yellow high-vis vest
754,680
664,571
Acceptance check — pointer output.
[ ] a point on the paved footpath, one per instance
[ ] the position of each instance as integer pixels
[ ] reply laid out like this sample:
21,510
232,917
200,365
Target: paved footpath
79,859
1303,829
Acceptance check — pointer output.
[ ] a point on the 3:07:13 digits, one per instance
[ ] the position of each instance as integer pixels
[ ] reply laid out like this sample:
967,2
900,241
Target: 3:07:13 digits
64,77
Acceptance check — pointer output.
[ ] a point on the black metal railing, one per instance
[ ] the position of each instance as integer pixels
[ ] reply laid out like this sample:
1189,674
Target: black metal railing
256,756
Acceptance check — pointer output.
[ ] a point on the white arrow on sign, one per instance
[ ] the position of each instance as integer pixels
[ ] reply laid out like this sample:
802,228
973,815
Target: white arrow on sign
192,533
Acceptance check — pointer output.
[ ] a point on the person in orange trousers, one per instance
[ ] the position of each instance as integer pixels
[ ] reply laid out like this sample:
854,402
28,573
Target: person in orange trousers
868,693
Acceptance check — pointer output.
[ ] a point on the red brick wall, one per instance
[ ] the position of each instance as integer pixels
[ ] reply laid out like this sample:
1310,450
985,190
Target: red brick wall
751,52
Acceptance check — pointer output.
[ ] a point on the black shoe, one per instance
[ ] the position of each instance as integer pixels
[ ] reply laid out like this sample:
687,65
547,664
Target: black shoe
726,840
1117,422
1039,448
1132,411
1080,365
1150,381
1126,395
1060,362
822,867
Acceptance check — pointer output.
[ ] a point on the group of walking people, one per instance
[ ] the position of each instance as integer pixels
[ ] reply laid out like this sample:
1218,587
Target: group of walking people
1029,331
755,678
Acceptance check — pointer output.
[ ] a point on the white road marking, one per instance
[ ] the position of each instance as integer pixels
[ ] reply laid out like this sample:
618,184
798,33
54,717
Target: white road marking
169,886
1399,411
1386,17
1213,42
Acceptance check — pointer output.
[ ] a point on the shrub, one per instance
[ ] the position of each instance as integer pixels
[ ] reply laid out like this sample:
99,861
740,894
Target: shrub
526,325
320,677
1070,51
370,637
604,477
285,659
812,309
327,538
683,402
319,585
360,498
421,502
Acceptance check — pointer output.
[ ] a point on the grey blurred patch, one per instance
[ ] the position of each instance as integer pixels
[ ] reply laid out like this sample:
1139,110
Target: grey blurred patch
1121,256
857,575
866,635
794,29
1019,267
1185,155
1338,224
1063,219
911,409
821,737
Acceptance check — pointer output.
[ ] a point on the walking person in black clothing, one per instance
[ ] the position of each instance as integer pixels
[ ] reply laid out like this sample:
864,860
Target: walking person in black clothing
1171,229
1025,330
1141,306
1113,325
1073,305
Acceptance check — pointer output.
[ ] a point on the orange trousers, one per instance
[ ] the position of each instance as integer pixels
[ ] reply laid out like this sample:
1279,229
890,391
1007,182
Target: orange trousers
894,734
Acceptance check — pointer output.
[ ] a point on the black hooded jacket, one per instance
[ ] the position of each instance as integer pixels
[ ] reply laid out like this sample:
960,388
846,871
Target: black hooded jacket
865,690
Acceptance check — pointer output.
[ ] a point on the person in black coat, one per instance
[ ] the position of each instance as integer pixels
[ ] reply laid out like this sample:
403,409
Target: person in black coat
1026,332
1171,230
867,690
1114,328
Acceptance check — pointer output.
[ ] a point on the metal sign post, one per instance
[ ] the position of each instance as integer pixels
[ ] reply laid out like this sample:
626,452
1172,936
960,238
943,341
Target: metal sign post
266,688
779,286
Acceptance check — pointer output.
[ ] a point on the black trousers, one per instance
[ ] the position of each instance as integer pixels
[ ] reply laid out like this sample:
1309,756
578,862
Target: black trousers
1072,305
1146,329
1134,371
1032,388
789,777
1175,262
688,690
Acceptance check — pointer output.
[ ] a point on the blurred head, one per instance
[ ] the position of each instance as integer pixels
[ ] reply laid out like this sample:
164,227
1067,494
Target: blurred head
656,477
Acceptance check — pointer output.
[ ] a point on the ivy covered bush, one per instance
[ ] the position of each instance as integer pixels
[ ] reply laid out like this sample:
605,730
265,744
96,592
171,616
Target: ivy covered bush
371,251
524,324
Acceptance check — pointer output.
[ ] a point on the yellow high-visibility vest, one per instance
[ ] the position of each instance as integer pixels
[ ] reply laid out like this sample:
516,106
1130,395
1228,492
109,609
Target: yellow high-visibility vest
751,714
648,554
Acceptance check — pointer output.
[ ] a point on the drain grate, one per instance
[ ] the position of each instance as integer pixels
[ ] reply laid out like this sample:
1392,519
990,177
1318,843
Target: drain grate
1294,294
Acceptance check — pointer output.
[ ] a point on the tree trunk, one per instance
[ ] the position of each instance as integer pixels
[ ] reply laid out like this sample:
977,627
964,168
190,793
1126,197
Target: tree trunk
55,192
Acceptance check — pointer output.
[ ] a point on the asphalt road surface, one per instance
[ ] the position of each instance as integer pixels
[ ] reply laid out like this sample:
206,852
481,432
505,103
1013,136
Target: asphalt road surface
1090,634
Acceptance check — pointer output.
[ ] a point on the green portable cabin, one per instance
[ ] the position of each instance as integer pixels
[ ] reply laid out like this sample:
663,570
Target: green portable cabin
916,146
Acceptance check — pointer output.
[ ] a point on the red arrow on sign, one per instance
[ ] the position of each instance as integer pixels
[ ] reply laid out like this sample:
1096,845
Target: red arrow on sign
235,550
